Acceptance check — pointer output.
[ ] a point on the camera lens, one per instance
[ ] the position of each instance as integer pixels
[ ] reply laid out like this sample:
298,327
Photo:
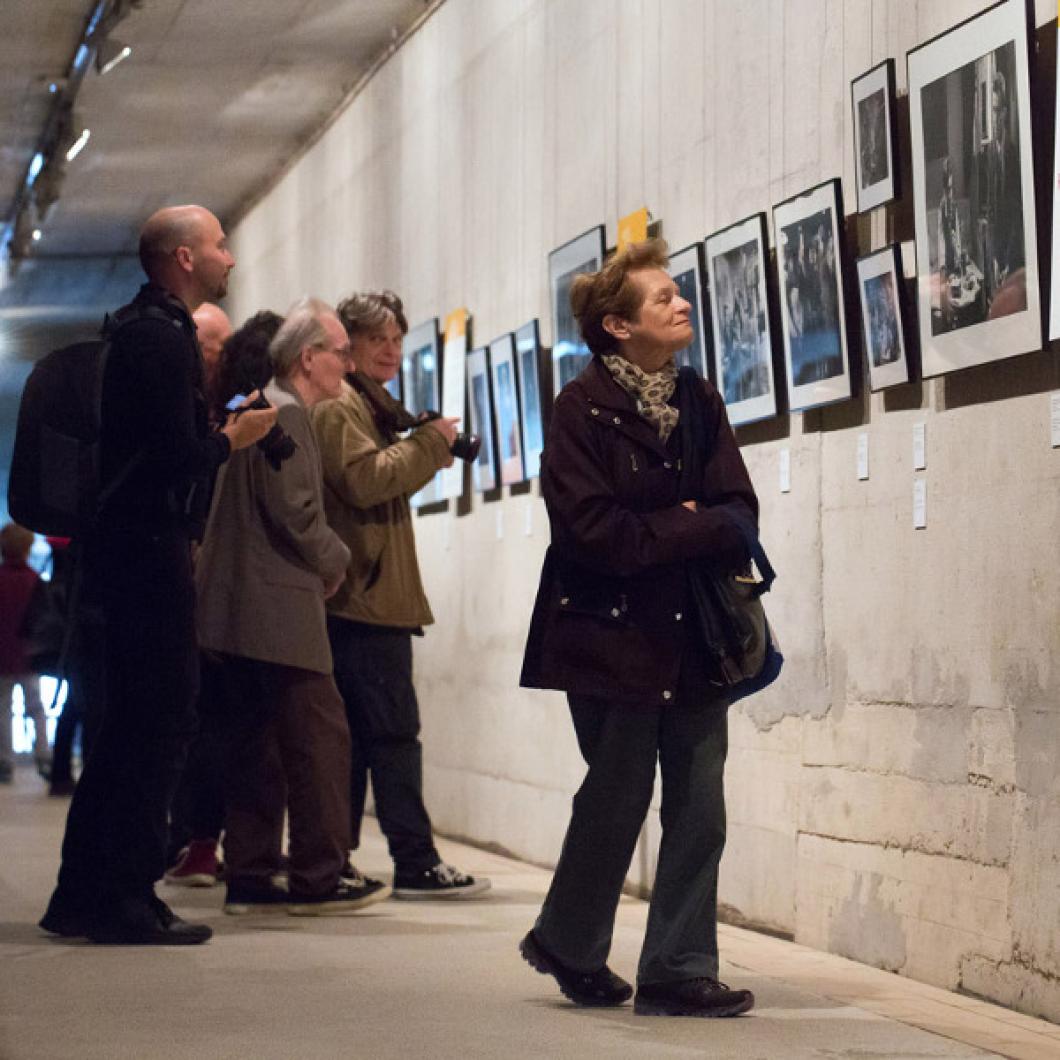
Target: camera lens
466,446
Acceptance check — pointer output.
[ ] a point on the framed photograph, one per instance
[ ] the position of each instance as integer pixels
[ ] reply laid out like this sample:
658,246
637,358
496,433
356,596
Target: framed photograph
484,469
809,235
875,138
883,317
583,254
506,406
528,374
740,319
454,391
978,296
421,383
1054,293
686,267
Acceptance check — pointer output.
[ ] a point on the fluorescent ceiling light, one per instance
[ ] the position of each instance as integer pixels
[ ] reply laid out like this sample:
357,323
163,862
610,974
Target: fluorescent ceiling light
78,145
110,53
36,166
36,235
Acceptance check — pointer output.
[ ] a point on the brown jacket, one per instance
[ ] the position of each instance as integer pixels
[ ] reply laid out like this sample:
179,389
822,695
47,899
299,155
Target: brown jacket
369,474
613,593
268,553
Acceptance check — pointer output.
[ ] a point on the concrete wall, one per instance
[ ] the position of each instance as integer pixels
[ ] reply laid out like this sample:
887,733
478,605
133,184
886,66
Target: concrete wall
894,798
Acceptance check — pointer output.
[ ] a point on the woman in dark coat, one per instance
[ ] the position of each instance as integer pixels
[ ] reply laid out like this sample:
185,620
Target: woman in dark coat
610,628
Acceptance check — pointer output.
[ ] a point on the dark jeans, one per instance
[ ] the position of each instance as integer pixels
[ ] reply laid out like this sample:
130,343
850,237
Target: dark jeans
85,698
373,671
115,841
621,746
286,748
198,809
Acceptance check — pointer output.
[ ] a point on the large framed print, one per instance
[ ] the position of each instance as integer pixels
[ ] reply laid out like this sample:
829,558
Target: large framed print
1054,293
506,405
420,364
875,142
484,469
454,391
883,317
583,254
809,236
740,319
978,295
531,421
686,267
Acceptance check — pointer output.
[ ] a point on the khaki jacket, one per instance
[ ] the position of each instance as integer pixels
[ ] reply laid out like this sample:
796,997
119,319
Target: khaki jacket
369,476
268,552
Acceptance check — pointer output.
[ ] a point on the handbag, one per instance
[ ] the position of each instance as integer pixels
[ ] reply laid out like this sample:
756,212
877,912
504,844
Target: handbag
742,652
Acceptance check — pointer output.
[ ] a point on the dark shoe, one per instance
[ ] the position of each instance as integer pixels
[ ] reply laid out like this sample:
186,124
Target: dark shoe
255,901
599,988
147,922
353,876
7,773
442,881
691,997
65,918
345,899
61,789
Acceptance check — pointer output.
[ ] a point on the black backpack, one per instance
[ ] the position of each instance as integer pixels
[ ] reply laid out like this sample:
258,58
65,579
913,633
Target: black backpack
54,487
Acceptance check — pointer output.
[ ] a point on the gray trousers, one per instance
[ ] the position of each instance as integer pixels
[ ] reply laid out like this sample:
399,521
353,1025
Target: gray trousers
621,746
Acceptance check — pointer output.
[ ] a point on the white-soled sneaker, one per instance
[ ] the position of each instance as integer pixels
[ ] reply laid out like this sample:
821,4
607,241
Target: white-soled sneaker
442,881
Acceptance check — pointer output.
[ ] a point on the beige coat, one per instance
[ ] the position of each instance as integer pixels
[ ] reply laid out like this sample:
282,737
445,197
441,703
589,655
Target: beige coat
268,552
368,478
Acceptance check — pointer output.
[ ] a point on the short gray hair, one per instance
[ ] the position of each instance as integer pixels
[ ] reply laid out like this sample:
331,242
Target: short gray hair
366,310
301,327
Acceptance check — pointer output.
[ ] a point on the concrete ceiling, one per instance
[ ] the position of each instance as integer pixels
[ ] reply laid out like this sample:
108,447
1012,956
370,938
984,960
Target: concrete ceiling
214,100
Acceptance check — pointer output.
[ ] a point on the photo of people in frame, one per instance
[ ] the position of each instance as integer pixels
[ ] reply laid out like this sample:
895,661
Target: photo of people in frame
526,351
684,268
484,468
506,409
570,354
743,341
872,139
882,326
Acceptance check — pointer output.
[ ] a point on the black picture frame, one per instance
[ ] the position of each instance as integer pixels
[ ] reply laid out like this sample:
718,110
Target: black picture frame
532,396
811,281
584,253
480,411
503,375
885,327
876,163
421,370
686,268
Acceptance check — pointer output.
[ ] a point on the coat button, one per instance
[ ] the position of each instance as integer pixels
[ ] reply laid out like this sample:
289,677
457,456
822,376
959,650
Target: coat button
617,419
678,617
564,600
595,412
615,612
667,464
668,695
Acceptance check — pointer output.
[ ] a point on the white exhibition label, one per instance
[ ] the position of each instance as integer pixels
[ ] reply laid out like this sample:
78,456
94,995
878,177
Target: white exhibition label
785,470
1054,418
919,446
863,456
920,504
500,523
528,517
447,532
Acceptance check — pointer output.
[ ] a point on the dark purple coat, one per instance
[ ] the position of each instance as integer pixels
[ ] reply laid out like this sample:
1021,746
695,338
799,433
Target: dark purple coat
609,619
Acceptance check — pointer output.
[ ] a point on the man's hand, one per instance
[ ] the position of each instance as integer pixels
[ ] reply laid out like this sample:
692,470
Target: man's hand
446,427
249,426
690,505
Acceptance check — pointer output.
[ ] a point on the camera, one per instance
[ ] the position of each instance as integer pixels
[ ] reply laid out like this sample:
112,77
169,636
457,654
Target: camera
277,445
465,445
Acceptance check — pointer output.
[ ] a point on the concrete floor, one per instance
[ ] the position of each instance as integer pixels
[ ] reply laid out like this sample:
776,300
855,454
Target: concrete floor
426,980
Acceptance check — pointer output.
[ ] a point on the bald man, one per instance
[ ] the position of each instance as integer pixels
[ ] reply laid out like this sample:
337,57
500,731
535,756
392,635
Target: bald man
213,328
158,457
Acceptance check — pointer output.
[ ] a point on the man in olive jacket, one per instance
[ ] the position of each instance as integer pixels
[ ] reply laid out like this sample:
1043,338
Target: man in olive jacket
369,474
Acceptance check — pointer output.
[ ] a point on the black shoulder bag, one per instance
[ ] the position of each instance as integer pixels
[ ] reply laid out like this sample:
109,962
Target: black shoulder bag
741,651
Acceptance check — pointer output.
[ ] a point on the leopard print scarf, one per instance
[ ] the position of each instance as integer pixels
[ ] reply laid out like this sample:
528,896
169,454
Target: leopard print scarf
651,390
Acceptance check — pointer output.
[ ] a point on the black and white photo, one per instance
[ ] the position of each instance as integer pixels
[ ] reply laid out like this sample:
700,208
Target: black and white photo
977,269
484,469
531,403
740,321
686,267
875,142
883,317
420,357
809,239
585,253
506,408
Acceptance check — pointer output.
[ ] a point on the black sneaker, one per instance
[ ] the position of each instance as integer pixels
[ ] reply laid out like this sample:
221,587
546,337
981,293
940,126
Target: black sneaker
599,988
691,997
443,881
355,878
346,898
255,901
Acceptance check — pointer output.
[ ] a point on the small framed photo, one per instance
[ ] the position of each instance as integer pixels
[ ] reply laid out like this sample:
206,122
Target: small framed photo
686,267
582,254
978,290
740,319
484,469
883,317
809,235
506,406
531,405
875,138
420,363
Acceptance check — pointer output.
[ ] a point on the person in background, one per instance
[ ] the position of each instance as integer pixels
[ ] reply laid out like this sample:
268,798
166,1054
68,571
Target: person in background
369,474
267,563
609,628
240,366
212,328
17,583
